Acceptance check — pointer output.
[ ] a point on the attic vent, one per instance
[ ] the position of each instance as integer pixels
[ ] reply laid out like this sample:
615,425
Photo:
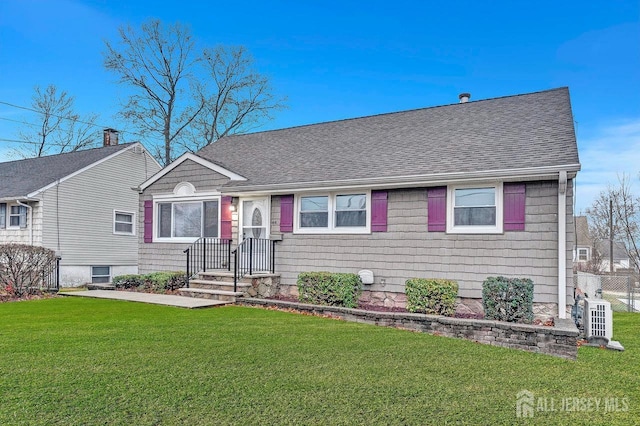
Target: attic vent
464,97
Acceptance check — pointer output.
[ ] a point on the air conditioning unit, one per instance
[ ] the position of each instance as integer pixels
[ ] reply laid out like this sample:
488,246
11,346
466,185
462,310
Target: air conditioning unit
598,319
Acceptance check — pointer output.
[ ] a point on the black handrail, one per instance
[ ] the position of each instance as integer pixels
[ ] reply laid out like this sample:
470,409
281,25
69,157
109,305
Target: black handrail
51,275
208,253
253,255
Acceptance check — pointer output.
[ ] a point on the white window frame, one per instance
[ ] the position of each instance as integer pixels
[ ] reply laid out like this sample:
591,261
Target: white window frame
133,222
10,214
157,200
477,229
585,250
331,228
100,276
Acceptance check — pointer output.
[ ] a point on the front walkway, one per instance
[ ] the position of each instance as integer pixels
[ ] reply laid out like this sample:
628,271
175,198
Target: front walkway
156,299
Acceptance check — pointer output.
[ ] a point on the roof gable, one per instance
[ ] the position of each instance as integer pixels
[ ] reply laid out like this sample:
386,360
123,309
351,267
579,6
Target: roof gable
521,132
25,178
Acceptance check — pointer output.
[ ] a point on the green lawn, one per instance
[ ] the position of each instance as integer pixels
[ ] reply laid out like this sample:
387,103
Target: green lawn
84,362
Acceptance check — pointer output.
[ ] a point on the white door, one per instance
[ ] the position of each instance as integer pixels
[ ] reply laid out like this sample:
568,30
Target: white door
255,224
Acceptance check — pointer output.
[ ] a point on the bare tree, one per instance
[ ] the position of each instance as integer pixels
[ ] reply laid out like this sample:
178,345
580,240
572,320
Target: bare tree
626,218
157,62
238,99
59,128
188,99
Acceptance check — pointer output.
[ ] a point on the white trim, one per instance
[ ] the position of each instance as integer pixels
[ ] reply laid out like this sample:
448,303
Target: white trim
133,222
190,156
199,196
172,199
562,245
331,228
494,229
77,172
411,181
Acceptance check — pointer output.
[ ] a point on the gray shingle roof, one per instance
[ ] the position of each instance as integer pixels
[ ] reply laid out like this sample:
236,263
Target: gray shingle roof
521,131
22,177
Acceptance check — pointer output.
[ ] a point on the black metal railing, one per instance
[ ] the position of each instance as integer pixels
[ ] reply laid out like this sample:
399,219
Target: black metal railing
51,275
208,253
253,255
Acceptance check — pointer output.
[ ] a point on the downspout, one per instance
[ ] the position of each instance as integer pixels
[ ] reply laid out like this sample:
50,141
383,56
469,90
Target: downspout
562,245
30,214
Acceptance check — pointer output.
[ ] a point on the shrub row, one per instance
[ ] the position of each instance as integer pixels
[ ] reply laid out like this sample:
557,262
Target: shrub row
327,288
158,282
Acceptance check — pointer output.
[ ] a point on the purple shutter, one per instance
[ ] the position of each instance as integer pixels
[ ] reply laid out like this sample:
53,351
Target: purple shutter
225,220
437,209
514,200
286,213
148,221
378,211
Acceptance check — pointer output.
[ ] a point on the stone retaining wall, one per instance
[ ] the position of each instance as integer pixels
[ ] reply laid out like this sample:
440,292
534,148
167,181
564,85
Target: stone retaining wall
560,340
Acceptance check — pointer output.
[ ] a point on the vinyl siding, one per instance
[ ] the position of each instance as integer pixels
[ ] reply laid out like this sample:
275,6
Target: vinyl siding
407,250
169,256
78,220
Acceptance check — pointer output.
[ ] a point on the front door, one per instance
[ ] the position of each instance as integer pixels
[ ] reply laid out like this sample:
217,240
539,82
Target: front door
255,224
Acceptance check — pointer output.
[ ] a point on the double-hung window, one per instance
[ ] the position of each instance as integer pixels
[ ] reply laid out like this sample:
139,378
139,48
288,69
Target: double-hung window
188,220
475,209
583,254
334,213
123,223
13,216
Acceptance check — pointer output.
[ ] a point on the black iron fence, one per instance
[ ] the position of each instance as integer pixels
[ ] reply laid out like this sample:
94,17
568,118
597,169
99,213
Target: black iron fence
51,275
208,253
251,256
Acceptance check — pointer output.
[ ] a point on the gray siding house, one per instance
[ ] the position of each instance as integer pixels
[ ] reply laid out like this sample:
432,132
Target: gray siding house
81,204
461,191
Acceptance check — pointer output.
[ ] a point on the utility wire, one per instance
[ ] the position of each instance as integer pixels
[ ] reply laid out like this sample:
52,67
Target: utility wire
61,117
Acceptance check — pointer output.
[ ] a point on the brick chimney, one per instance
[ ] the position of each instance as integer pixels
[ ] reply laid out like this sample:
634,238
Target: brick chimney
110,137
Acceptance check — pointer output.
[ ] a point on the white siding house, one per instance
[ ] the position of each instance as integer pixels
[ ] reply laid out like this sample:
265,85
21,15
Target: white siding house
82,204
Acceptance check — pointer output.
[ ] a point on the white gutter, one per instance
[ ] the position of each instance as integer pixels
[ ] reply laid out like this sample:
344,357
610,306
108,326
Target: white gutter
30,213
562,245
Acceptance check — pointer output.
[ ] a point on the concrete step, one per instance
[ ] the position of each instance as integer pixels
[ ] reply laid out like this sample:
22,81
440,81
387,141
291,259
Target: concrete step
203,293
217,285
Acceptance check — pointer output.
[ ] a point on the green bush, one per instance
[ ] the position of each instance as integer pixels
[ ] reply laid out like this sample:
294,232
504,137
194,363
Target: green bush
431,296
327,288
508,299
128,281
156,281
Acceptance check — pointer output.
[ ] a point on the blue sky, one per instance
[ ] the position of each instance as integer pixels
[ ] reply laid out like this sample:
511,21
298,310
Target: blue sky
336,60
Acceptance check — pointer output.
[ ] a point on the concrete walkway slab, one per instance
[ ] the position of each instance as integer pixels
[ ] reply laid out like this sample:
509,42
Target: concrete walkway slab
156,299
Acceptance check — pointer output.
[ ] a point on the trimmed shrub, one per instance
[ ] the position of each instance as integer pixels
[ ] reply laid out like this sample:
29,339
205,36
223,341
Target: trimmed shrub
431,296
165,280
327,288
128,281
508,299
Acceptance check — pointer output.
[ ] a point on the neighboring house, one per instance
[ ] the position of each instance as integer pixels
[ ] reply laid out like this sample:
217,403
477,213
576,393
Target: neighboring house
81,204
461,191
584,243
593,256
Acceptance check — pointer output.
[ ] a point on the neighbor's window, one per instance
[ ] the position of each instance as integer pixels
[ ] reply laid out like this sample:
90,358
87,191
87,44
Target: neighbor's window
475,209
583,254
17,217
100,274
123,223
333,212
189,219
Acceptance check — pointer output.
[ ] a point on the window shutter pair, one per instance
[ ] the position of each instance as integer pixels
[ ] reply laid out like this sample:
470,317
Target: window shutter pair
225,220
378,212
513,207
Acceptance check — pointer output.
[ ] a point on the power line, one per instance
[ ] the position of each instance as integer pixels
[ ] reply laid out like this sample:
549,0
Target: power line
19,121
62,118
